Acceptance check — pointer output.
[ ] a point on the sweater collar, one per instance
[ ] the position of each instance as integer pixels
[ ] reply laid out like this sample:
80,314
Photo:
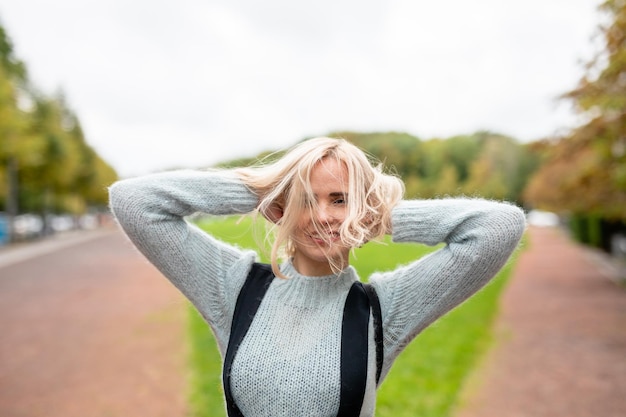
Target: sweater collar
313,291
290,271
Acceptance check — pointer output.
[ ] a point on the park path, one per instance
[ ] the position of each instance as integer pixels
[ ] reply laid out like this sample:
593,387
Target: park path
88,328
561,337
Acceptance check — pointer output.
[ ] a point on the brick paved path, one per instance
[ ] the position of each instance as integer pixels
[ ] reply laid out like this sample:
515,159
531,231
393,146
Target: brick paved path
88,329
561,348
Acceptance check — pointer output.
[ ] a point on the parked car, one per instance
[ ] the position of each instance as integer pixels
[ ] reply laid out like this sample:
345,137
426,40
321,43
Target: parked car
542,218
27,226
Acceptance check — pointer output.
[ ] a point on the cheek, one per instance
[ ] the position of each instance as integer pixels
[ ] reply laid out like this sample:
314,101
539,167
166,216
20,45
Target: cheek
340,215
303,219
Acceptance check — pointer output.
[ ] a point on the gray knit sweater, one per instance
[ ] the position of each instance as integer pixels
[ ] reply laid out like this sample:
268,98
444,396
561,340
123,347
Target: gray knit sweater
288,363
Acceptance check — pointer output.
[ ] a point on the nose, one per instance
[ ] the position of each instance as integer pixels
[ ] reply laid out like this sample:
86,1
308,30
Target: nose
323,214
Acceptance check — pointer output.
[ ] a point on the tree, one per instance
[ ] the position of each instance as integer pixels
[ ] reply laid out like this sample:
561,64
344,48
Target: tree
483,164
46,164
12,78
462,150
448,181
485,179
585,171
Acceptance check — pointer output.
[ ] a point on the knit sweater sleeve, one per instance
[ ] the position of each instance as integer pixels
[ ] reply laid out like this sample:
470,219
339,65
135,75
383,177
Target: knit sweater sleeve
478,237
152,210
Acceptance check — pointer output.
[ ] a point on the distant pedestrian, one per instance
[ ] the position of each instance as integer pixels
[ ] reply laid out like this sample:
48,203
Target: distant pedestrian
304,354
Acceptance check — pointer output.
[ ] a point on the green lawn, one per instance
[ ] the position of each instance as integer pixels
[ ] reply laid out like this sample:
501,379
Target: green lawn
427,378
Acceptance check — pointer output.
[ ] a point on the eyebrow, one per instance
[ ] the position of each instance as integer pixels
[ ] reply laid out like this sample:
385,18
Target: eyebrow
335,194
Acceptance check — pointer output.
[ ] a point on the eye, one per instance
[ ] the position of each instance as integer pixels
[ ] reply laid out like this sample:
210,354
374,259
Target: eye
339,201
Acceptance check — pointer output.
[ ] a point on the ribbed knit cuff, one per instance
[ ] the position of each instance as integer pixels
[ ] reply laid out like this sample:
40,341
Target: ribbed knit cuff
403,221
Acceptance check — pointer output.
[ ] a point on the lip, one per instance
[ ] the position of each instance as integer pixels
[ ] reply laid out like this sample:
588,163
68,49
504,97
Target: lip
325,239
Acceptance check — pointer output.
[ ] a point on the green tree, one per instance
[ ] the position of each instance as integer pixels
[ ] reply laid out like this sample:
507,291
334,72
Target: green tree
462,150
10,126
485,180
447,182
46,182
433,160
12,80
482,164
399,151
46,164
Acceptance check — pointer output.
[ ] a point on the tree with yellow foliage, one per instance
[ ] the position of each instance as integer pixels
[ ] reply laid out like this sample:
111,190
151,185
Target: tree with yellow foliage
585,171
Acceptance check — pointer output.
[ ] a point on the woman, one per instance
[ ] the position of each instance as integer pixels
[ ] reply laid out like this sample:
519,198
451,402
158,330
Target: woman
324,199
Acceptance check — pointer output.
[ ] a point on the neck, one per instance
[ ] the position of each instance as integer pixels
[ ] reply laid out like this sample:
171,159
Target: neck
317,269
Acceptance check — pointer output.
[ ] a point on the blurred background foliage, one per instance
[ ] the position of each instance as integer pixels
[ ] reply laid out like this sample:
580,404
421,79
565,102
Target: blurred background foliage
46,164
583,174
482,164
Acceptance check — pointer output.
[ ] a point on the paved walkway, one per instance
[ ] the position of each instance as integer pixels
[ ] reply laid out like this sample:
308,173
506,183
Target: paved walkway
561,349
88,328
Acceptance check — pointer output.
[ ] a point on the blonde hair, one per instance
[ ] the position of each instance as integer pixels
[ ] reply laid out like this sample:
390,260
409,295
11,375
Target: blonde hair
285,183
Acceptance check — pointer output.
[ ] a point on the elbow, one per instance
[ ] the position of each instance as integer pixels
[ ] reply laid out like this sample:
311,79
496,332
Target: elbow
121,196
508,226
517,222
116,195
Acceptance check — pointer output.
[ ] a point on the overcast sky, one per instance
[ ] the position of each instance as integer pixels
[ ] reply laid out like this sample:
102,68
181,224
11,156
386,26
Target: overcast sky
160,84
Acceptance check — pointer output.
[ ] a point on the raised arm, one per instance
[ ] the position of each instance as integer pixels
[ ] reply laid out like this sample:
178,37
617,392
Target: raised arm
152,210
479,237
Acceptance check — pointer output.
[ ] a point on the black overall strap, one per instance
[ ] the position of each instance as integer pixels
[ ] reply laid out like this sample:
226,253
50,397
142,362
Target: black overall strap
354,332
248,302
378,328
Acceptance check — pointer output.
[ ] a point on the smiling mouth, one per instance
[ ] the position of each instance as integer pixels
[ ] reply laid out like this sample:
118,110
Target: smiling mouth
326,239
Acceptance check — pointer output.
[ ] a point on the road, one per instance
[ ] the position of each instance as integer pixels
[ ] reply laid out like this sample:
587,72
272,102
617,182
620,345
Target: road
89,328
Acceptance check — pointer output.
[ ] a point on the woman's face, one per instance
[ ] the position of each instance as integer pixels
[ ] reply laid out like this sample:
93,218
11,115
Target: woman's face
317,237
